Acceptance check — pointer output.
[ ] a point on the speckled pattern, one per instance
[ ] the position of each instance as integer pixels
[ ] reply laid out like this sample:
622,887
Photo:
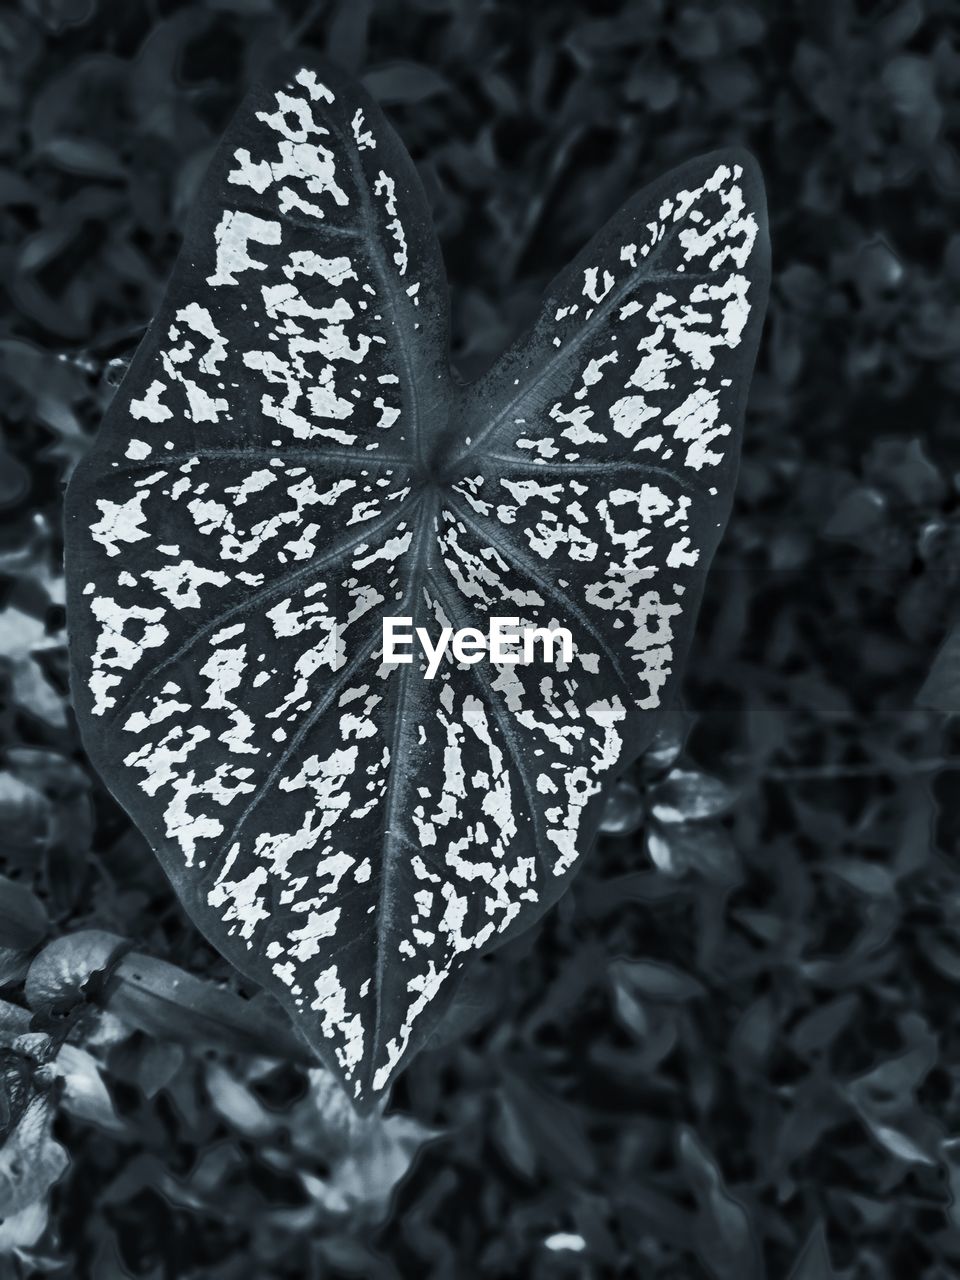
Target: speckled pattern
289,460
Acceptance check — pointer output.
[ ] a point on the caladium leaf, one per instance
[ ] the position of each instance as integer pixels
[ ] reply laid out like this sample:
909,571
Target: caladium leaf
289,460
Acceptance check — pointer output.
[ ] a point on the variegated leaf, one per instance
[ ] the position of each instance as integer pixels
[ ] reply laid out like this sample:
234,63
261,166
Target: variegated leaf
289,460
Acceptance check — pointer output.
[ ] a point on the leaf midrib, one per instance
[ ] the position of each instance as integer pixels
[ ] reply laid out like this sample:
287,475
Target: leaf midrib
419,568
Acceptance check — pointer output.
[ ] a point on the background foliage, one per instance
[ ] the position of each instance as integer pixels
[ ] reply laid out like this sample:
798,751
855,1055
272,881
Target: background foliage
731,1051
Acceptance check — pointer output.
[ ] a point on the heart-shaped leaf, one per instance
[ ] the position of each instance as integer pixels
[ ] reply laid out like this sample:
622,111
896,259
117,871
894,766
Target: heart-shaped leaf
289,461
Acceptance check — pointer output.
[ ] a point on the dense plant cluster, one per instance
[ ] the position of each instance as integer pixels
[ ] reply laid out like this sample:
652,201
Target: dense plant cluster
730,1052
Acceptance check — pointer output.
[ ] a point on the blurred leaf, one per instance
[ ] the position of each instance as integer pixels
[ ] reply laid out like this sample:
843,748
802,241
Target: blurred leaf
25,819
373,1154
237,1104
725,1241
623,810
346,33
60,973
861,512
21,637
941,689
404,82
602,897
668,741
30,1160
539,1127
82,155
818,1030
475,1001
23,918
13,1021
687,795
901,1144
164,1001
813,1262
22,1230
651,980
869,878
904,467
885,1099
59,14
158,1064
364,1179
511,1140
85,1094
754,1035
706,849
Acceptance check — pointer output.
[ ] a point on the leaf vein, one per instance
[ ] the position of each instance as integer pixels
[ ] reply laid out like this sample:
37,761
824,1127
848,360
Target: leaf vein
493,700
514,555
275,588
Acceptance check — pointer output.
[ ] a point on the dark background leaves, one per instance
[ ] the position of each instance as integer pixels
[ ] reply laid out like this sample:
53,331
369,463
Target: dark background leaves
731,1051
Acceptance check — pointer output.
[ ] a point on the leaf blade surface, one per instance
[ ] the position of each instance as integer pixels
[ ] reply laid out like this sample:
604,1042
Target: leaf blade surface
289,459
